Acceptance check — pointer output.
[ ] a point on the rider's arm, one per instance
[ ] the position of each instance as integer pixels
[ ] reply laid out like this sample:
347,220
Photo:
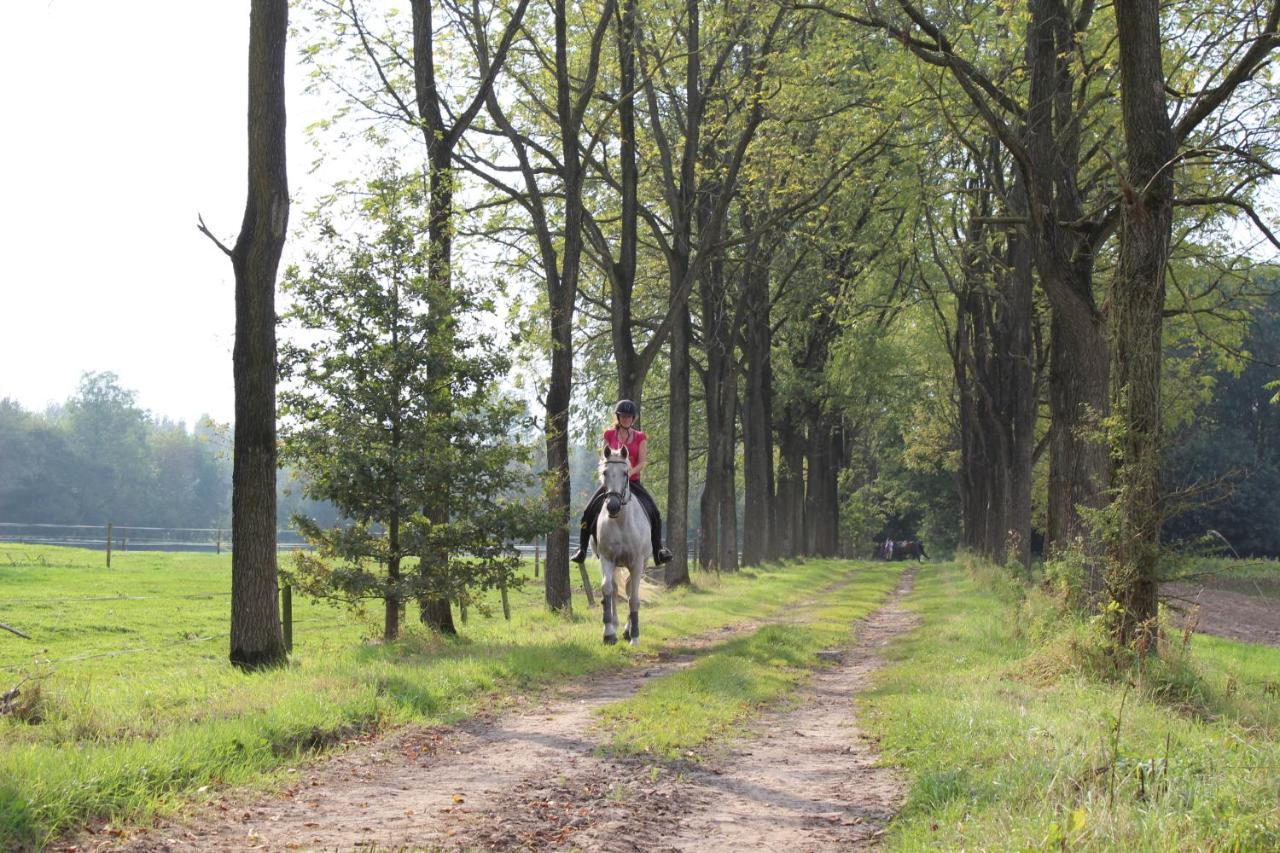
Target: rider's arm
641,457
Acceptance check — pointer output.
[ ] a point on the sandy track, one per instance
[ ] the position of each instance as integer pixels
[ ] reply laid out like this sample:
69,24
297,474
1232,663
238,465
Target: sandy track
803,778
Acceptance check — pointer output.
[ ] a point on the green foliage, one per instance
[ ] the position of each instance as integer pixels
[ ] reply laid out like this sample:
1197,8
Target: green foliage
1222,467
100,458
391,415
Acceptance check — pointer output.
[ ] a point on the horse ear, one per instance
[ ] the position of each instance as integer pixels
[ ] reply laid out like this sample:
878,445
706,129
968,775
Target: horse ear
623,451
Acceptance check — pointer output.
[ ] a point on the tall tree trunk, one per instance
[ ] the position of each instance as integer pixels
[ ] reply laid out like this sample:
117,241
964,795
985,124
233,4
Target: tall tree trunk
256,636
719,517
719,331
391,613
558,588
1064,258
1137,298
1078,369
677,517
758,541
822,510
434,610
680,267
790,522
441,140
1017,350
631,367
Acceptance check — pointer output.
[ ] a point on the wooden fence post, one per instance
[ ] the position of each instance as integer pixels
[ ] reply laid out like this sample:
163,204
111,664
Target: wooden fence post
586,584
108,544
537,554
506,603
462,609
219,541
286,604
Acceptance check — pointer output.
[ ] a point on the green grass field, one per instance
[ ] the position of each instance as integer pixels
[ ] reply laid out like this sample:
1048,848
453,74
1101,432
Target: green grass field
138,708
1011,744
1008,733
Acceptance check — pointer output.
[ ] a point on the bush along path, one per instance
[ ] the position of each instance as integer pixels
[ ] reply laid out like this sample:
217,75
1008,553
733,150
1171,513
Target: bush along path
746,735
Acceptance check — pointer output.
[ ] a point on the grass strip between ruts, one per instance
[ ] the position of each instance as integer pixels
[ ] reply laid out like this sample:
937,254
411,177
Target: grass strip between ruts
1000,761
123,737
675,716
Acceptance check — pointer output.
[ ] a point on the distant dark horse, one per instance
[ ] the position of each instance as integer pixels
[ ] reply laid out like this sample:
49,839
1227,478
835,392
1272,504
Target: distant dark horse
901,549
909,549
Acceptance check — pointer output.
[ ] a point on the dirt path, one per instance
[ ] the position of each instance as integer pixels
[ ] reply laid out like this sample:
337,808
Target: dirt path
1254,618
806,779
534,778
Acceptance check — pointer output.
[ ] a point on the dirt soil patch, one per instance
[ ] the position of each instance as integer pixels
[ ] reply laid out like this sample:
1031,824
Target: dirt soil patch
804,777
1254,618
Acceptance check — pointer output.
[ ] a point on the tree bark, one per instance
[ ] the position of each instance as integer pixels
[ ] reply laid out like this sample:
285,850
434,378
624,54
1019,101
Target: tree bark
1078,370
758,541
256,636
790,522
822,511
1137,298
677,517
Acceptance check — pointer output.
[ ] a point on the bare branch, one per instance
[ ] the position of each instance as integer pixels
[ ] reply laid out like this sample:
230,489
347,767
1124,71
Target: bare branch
206,232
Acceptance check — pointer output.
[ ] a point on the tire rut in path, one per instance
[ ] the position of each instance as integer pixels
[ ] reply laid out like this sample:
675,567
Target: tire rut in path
806,779
534,778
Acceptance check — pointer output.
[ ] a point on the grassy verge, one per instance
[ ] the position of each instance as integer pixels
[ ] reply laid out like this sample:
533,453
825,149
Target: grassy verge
1012,742
677,715
134,707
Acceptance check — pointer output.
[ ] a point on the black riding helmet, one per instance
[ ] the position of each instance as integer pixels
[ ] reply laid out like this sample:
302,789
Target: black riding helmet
626,407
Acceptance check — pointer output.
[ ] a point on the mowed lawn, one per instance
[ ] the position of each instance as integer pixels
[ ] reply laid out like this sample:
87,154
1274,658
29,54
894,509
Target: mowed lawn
131,706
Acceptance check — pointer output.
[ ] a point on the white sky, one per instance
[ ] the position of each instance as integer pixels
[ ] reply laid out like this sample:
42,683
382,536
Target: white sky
125,120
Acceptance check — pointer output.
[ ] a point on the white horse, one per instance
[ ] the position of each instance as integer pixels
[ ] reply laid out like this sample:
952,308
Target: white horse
622,539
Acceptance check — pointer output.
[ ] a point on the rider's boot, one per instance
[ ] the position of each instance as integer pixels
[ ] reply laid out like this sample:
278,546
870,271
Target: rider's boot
663,556
579,556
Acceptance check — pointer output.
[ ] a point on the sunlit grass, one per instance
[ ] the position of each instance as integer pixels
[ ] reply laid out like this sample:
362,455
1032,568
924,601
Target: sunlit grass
999,761
120,735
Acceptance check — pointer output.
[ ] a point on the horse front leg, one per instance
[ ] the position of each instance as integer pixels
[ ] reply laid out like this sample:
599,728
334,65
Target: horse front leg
633,598
608,602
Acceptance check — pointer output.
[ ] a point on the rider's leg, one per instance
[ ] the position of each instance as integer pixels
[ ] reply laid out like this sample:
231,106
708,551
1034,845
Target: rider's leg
660,554
588,525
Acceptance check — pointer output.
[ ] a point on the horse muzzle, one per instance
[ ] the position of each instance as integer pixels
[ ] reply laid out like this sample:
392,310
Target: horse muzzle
613,507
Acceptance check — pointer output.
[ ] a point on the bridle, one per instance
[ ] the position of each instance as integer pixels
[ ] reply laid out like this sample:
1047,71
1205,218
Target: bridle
624,496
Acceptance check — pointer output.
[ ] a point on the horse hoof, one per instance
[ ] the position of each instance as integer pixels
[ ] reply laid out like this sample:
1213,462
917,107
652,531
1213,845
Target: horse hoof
610,640
635,641
626,635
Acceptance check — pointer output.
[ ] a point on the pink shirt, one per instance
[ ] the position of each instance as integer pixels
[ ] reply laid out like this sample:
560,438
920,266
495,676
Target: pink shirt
633,446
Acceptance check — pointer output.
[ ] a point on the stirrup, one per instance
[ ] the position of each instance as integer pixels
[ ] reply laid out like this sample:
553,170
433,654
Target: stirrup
663,556
579,556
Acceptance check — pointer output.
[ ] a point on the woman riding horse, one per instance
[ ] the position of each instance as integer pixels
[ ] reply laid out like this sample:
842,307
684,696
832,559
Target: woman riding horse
624,434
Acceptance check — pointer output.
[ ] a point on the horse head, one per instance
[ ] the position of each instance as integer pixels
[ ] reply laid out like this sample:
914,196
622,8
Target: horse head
615,475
